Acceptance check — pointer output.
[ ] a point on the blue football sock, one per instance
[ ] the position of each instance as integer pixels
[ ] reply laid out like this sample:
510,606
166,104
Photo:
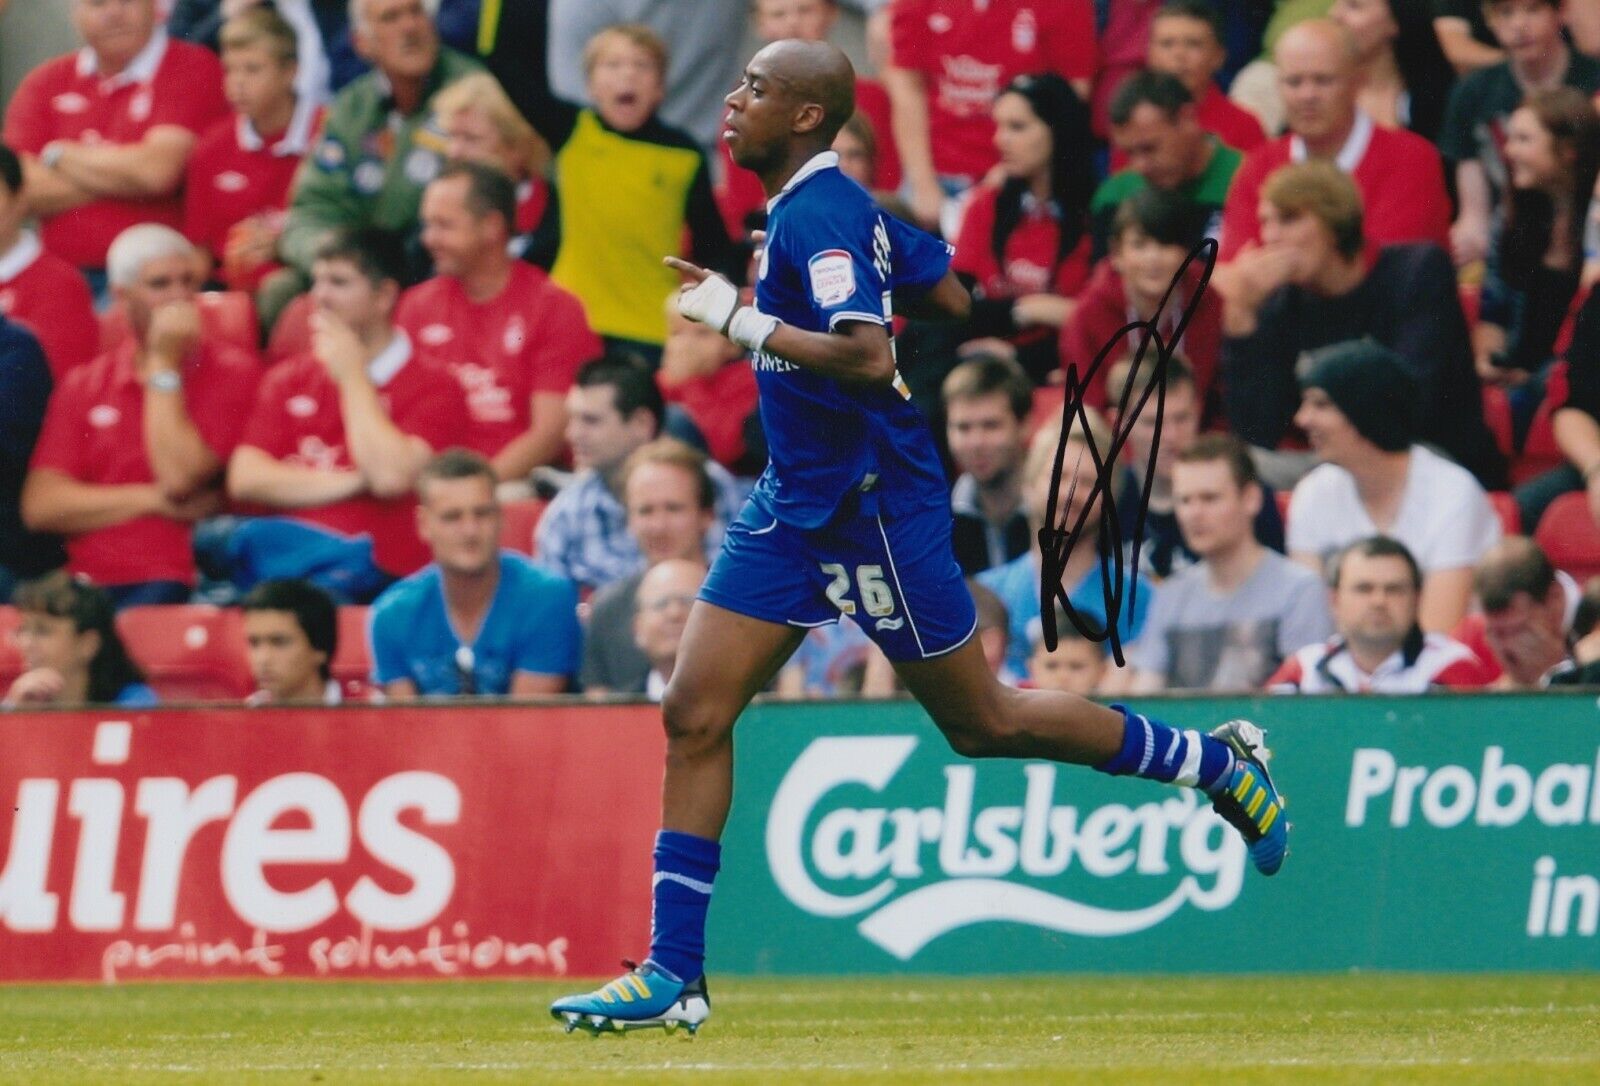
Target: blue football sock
685,868
1160,752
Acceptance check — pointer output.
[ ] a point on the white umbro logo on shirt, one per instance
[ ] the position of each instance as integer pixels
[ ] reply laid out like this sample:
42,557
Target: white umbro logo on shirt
435,335
939,22
231,181
70,102
301,407
103,416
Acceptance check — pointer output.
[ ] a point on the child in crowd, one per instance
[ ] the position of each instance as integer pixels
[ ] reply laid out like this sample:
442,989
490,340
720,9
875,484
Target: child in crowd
70,648
237,187
629,186
1076,666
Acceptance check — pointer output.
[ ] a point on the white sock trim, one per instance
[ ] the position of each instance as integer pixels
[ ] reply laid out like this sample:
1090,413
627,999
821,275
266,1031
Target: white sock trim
682,880
1189,773
1149,746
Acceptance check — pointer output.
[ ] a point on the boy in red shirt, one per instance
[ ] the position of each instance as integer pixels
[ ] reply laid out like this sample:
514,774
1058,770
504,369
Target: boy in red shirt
337,437
1151,236
512,338
108,129
237,188
39,289
134,442
951,57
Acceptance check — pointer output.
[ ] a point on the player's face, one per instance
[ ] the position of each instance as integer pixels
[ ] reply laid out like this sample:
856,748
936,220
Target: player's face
600,437
115,29
1307,238
625,85
665,596
1187,49
256,83
339,289
664,513
455,238
1329,431
1214,512
1156,146
1023,140
282,661
1370,23
1531,152
160,282
1317,81
1375,602
760,117
985,438
1528,30
459,519
397,37
1076,667
1147,266
809,20
470,136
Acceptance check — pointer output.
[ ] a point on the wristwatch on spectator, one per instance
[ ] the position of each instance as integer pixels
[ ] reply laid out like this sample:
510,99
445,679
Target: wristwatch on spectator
51,154
166,381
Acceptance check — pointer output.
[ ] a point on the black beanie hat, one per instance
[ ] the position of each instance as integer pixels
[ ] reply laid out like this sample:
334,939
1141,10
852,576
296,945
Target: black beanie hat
1374,388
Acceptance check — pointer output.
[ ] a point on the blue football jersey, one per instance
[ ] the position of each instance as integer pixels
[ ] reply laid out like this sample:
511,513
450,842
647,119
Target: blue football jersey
832,256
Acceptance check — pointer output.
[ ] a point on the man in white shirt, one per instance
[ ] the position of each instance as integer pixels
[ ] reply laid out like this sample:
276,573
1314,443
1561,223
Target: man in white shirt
1228,621
1379,648
1358,409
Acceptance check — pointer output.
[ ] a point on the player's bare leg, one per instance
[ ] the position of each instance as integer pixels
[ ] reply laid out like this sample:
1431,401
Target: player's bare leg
982,718
724,660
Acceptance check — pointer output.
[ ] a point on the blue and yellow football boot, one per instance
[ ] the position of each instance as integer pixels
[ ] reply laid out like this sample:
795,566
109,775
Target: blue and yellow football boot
643,997
1248,800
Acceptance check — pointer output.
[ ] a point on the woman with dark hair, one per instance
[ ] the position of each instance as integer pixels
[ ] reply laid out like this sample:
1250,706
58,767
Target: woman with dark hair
1405,76
1024,245
1552,152
69,642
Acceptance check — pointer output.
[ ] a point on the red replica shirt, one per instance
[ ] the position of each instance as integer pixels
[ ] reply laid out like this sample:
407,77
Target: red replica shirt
1399,174
1103,311
1030,252
297,420
968,50
236,174
739,194
48,295
94,433
168,83
719,404
531,338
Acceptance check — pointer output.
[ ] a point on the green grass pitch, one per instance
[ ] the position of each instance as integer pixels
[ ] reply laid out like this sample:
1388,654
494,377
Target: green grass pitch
1496,1029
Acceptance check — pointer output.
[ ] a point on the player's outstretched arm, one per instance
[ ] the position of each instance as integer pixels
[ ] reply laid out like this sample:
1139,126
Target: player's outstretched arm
948,300
856,351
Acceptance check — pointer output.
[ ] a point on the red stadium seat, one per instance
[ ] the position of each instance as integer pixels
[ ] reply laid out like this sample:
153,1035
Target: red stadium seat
1471,632
188,653
518,519
1497,413
228,315
1540,453
1570,537
11,664
1505,507
1470,303
352,662
291,335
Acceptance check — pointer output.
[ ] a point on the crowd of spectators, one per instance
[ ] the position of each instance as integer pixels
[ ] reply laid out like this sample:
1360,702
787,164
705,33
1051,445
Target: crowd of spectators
309,305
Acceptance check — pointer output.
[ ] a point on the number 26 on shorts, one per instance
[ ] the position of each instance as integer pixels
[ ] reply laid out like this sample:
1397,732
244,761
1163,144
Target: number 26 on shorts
870,585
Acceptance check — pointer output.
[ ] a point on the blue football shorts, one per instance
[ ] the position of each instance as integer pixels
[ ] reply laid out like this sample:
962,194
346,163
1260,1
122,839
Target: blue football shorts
895,576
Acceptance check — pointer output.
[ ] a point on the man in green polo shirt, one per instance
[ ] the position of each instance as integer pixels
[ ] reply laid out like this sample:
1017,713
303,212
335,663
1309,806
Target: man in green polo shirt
1155,124
380,144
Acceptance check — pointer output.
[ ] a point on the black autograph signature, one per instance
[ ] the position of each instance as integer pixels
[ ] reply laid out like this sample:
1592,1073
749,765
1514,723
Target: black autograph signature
1057,539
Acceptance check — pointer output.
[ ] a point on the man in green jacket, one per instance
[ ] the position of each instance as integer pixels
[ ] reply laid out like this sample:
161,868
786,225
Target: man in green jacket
380,143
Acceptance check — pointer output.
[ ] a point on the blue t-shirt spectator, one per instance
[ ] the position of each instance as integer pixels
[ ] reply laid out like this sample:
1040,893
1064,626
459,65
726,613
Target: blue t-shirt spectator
531,627
1017,585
